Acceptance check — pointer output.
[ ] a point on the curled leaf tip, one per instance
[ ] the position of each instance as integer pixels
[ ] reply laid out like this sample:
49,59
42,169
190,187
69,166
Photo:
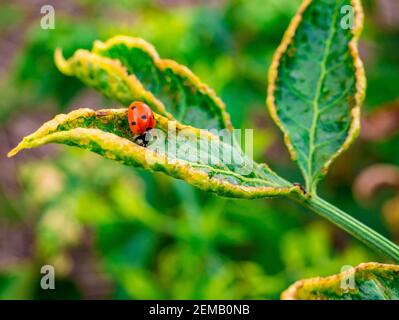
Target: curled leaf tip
16,150
61,63
12,153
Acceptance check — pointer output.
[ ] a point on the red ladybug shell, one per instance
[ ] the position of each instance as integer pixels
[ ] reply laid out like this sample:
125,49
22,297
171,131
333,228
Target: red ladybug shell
140,117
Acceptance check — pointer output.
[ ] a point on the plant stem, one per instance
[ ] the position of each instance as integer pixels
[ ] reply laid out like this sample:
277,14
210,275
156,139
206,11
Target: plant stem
365,234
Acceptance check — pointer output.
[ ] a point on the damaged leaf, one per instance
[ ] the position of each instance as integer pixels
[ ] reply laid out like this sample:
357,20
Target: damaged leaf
317,84
367,281
209,162
127,69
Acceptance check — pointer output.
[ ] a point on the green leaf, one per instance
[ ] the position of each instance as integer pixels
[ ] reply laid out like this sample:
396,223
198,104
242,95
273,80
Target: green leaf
127,69
317,84
367,281
201,158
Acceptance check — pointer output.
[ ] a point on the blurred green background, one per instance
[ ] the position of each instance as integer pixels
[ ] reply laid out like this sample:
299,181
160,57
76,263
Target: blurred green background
115,232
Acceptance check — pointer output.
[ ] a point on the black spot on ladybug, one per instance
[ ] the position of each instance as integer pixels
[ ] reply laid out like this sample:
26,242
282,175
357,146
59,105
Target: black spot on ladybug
133,108
133,123
143,117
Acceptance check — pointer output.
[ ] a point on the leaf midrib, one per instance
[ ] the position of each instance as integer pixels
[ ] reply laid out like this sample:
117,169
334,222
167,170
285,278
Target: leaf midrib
232,173
323,73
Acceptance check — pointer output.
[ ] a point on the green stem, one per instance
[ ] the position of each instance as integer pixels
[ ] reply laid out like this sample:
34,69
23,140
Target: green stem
354,227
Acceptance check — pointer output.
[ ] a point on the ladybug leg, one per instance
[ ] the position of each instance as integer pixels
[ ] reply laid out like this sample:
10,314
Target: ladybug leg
144,138
147,136
141,141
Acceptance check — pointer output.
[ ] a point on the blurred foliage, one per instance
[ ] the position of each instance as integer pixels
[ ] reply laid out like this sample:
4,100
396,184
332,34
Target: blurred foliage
114,232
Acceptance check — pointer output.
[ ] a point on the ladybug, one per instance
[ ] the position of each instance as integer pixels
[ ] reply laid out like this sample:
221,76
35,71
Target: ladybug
141,120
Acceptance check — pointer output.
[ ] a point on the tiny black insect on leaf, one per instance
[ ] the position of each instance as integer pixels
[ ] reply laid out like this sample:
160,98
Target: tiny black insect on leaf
300,187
